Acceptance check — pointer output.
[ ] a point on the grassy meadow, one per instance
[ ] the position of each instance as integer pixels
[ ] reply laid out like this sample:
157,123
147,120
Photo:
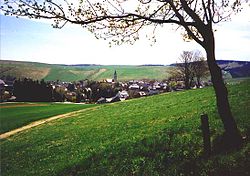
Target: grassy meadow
15,115
158,135
50,72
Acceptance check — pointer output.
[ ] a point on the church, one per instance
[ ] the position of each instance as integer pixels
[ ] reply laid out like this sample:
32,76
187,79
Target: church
114,80
115,77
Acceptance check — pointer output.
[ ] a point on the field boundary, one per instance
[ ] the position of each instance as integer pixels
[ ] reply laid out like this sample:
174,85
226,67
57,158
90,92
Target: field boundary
22,105
40,122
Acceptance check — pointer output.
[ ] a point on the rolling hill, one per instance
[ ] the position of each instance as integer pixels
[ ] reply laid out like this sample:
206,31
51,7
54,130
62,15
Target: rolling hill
79,72
24,69
237,69
50,72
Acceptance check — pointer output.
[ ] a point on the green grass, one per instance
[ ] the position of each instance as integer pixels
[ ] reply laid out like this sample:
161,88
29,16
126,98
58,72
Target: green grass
14,115
104,72
158,135
236,80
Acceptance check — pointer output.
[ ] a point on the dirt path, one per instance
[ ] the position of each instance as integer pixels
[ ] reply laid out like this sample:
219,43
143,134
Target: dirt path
40,122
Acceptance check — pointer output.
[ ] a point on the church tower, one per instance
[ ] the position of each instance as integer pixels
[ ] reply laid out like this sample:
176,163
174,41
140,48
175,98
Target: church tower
115,76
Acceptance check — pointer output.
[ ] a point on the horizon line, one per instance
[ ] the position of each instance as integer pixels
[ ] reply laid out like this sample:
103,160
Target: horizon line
88,64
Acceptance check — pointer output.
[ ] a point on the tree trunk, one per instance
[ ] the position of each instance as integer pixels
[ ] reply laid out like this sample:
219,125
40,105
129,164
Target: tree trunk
232,137
187,76
198,81
187,83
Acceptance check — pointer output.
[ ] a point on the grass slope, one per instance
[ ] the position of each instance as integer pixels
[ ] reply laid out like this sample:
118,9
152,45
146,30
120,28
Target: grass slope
157,135
16,115
131,72
24,69
74,73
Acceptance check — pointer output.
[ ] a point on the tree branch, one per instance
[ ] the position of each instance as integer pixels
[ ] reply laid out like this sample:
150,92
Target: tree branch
191,13
185,24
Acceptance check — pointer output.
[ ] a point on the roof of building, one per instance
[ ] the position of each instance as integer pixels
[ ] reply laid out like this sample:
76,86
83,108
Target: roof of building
2,82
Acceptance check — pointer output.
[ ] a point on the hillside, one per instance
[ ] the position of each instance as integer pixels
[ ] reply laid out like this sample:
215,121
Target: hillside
79,72
38,71
235,68
158,135
24,69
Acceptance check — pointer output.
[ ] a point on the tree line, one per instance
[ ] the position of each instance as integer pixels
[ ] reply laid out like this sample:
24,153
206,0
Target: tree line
30,90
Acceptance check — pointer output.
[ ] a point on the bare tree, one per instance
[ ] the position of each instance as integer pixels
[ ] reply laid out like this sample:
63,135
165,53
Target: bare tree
122,20
191,65
185,67
200,67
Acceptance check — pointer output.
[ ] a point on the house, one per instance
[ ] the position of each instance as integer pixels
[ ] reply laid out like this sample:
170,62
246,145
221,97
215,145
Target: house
134,86
153,92
156,86
101,100
70,96
120,96
144,87
109,80
142,94
2,85
123,94
113,99
5,91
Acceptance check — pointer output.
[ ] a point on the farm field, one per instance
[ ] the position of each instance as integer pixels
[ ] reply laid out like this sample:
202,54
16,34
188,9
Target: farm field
14,115
106,72
52,72
158,135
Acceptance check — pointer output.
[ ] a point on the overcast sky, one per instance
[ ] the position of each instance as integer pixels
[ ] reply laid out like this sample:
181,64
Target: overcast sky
27,40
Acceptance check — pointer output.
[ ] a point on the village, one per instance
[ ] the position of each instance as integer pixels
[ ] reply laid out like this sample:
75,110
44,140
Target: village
88,91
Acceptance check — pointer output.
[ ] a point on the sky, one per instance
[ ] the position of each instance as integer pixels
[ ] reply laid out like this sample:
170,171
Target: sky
36,41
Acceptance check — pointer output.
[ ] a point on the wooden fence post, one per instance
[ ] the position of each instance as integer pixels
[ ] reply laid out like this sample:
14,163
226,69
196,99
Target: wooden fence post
206,134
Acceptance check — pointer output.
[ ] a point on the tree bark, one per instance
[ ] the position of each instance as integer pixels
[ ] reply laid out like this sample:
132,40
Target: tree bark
232,137
198,81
